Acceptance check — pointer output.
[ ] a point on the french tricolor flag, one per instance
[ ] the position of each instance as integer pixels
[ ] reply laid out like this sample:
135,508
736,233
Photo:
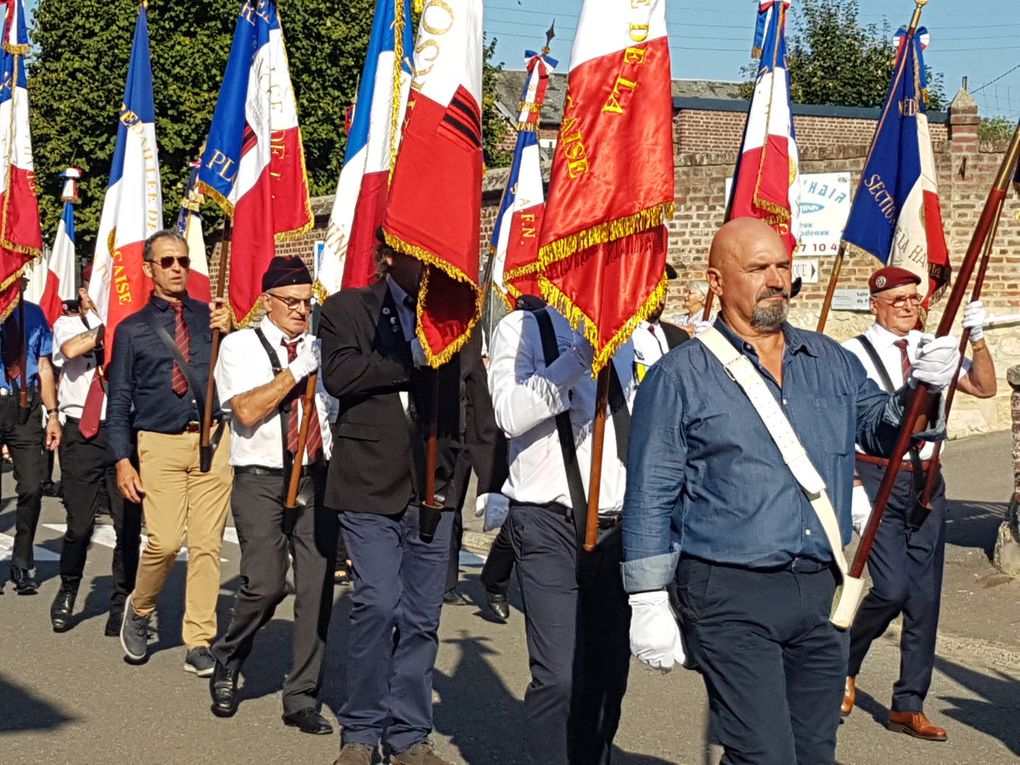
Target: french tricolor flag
60,283
372,140
515,263
767,183
896,214
254,162
133,207
20,229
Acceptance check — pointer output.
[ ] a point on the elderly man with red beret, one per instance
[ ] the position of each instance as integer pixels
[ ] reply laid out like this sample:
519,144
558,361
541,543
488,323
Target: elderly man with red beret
906,560
262,374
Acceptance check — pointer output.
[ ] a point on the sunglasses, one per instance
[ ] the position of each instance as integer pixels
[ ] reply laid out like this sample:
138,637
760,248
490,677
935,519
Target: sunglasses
293,303
167,261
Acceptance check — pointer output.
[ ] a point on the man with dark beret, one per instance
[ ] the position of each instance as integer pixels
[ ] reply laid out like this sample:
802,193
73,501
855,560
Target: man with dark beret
261,375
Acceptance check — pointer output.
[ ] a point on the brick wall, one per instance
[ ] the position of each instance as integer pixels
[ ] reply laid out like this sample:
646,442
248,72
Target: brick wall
830,140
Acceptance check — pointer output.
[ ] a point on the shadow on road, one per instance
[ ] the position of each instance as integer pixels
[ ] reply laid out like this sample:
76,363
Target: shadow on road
995,713
25,712
974,524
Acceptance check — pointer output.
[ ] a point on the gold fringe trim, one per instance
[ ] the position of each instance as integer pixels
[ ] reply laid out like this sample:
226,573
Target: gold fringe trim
14,277
224,204
603,233
399,22
14,303
17,50
252,317
419,6
31,252
603,356
319,292
526,127
779,214
431,259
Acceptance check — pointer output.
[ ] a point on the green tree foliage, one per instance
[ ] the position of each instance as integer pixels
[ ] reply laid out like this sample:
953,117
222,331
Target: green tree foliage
996,129
834,59
494,125
79,65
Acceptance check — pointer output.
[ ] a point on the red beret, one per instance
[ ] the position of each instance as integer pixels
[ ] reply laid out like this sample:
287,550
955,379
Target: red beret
890,277
283,272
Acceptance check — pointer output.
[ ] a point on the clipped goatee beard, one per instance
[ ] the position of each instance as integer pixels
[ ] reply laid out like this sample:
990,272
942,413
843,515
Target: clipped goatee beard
771,315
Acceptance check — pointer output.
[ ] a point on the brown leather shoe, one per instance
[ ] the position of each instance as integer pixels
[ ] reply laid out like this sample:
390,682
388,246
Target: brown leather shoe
355,754
915,724
849,696
421,753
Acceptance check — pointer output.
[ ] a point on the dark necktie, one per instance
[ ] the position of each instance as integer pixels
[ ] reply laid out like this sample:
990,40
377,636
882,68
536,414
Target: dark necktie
904,359
313,446
182,338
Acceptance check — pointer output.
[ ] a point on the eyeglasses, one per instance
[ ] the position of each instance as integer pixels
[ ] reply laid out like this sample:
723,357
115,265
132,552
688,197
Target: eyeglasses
167,261
902,300
293,303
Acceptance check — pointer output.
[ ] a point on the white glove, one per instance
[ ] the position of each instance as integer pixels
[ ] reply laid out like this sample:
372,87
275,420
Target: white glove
307,361
583,350
494,507
860,509
974,318
418,354
654,632
937,360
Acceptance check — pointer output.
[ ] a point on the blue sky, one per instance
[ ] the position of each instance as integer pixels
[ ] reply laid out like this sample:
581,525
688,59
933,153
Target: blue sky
712,40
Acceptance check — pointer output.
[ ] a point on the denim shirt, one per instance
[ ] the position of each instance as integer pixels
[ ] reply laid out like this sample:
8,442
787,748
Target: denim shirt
705,478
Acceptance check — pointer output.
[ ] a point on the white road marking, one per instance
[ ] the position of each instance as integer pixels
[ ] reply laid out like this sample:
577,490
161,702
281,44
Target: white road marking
105,536
40,553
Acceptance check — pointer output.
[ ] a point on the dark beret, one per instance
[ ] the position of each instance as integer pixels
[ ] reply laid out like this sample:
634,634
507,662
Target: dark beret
284,272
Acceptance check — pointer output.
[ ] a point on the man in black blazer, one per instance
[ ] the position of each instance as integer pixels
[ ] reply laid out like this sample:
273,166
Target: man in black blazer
373,364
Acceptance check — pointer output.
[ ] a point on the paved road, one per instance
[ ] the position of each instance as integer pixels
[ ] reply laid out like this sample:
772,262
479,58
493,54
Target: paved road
71,699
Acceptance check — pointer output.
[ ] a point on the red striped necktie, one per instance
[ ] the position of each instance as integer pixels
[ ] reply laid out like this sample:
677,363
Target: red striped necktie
313,446
904,359
179,382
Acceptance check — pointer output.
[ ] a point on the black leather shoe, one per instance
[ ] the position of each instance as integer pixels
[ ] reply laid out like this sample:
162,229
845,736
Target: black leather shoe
454,597
223,690
308,721
63,607
24,582
498,605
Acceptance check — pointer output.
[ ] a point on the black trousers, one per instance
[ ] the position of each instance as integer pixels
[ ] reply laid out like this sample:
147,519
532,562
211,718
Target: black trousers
24,440
88,473
578,638
461,479
267,533
772,662
906,576
499,564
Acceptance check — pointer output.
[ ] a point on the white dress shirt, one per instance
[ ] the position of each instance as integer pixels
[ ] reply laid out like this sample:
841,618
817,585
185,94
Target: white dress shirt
885,344
243,366
75,374
527,396
649,346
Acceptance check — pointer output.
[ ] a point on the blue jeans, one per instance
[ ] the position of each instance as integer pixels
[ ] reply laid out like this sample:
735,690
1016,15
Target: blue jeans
393,636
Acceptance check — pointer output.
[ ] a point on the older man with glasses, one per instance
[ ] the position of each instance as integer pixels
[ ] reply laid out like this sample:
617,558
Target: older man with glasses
157,386
906,560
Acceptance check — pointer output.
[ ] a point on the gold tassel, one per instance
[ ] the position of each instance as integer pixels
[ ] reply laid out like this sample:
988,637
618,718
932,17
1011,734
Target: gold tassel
603,233
419,6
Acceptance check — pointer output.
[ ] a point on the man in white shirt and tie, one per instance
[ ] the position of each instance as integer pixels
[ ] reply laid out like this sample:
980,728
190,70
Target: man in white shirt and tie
908,553
262,376
575,609
654,338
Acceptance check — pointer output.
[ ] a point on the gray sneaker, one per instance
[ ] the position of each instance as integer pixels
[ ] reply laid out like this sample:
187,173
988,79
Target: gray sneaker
355,754
134,634
200,661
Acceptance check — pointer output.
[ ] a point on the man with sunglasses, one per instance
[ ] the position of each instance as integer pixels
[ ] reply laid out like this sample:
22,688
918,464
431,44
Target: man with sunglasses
157,384
906,560
261,374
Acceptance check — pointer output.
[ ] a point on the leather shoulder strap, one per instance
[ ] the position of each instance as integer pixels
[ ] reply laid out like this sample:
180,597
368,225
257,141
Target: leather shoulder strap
284,408
565,430
189,373
876,361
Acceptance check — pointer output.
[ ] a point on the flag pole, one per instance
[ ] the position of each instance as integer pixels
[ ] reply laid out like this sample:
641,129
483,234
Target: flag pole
919,401
930,478
308,410
837,263
23,393
205,443
591,519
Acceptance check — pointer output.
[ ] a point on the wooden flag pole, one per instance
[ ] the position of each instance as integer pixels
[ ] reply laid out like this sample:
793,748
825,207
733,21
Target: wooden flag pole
23,393
205,442
920,400
950,394
591,520
308,411
837,263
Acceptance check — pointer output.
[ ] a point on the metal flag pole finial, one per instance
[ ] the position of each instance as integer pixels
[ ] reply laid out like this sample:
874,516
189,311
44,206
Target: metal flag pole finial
550,33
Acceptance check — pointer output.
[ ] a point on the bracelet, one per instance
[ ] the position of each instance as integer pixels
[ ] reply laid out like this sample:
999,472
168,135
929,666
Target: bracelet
52,413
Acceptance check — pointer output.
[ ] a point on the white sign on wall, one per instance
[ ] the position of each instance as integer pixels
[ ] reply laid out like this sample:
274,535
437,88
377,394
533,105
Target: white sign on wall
824,208
851,299
806,269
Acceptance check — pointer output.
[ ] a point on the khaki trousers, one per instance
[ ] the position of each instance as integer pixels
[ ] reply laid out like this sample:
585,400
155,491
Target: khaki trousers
181,501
